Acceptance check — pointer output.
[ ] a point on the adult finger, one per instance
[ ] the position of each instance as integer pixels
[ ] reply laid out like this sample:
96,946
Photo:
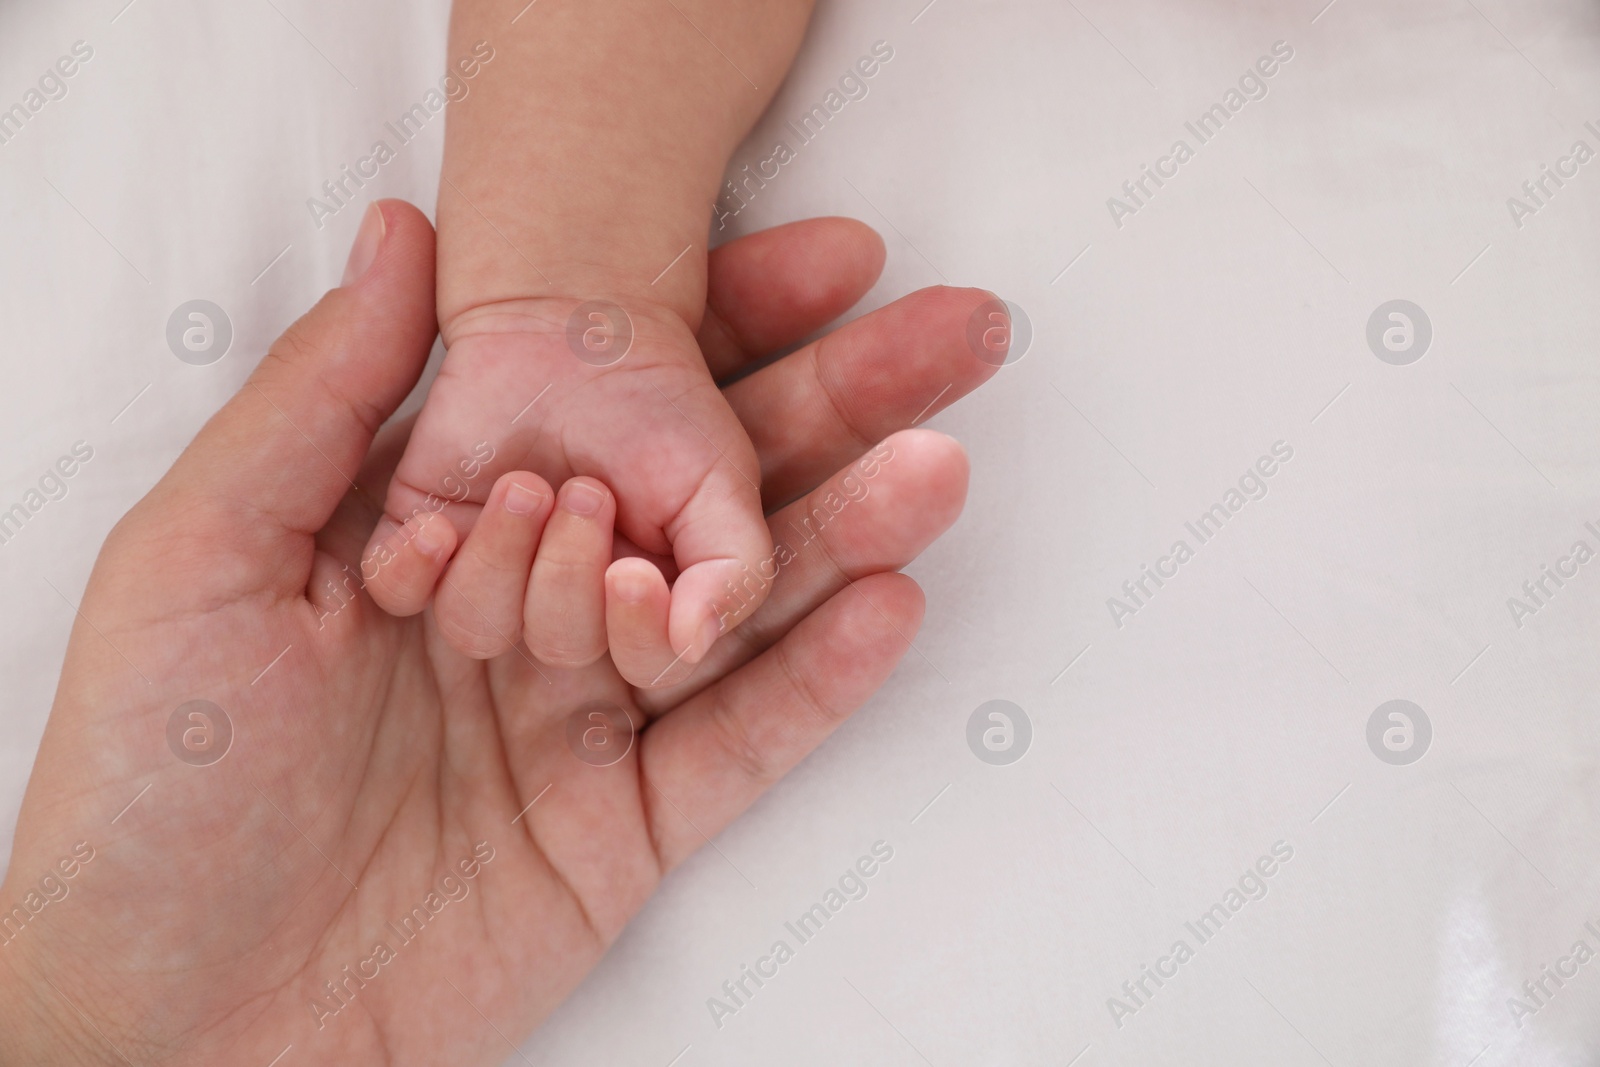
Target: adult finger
772,288
876,515
815,409
712,757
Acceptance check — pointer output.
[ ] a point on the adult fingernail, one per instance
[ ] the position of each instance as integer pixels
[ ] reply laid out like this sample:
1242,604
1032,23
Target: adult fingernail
520,500
581,498
368,240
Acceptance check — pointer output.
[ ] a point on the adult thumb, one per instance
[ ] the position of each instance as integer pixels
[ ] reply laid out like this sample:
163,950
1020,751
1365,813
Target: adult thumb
275,461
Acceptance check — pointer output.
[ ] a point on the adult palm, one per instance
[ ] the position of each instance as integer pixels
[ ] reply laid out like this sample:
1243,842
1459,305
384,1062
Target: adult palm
401,858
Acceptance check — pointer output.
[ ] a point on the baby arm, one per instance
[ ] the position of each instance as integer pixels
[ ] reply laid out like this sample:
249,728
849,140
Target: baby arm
573,214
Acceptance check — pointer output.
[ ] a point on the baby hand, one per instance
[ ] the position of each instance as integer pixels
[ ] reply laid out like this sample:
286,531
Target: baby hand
547,390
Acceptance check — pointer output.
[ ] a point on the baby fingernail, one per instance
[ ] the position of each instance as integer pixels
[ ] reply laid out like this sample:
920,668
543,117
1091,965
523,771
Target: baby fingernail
430,536
520,500
630,587
581,498
368,240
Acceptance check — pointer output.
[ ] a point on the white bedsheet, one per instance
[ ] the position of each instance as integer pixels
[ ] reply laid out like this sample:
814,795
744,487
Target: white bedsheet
1177,740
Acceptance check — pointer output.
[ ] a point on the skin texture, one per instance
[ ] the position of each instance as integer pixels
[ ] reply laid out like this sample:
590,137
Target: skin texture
653,428
581,168
370,760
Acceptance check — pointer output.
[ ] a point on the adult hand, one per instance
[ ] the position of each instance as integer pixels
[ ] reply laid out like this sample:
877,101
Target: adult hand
400,858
